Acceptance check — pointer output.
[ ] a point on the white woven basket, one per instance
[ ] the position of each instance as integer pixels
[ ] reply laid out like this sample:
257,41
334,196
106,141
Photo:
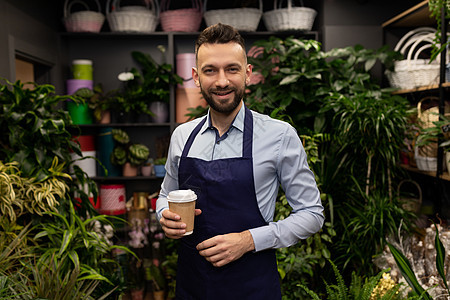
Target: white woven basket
82,21
243,19
290,18
143,19
425,163
413,72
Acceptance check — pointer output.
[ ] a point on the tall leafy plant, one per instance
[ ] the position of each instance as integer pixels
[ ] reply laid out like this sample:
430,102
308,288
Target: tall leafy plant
334,93
34,128
84,244
370,126
299,76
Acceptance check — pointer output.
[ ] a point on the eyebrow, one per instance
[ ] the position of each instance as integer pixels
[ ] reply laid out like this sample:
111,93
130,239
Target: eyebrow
227,66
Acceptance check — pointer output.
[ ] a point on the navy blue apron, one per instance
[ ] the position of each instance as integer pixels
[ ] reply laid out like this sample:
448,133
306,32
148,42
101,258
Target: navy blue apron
226,195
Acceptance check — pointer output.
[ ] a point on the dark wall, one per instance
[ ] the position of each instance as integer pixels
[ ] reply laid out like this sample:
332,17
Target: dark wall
28,29
349,22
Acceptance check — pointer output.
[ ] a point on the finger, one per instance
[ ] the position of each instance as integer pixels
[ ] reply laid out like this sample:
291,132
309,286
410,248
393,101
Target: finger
207,243
170,215
198,211
172,229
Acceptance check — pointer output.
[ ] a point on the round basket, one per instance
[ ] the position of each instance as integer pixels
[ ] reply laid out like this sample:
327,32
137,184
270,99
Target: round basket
290,18
141,19
243,19
410,203
413,72
82,21
185,19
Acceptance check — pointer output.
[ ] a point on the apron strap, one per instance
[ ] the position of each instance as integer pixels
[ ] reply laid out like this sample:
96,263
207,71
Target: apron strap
247,144
191,138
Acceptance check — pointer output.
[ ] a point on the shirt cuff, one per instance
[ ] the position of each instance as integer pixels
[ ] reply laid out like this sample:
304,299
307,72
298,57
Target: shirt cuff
262,238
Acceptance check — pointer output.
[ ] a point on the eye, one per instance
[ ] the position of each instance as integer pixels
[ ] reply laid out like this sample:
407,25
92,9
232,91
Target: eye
208,71
233,69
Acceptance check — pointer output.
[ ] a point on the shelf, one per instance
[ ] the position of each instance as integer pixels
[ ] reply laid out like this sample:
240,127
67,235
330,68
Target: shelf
421,89
179,33
445,176
96,125
418,15
124,178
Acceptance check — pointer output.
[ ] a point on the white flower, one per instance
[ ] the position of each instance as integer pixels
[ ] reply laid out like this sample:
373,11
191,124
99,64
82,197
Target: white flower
125,76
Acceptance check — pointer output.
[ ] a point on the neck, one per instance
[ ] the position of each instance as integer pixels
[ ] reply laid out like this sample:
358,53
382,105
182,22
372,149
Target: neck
222,121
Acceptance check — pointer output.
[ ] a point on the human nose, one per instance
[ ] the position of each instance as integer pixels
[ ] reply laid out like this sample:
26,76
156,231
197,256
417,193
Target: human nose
222,80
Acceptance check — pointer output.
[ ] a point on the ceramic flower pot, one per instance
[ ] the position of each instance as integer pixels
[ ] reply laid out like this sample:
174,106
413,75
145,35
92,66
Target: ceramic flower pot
160,171
147,170
129,170
160,110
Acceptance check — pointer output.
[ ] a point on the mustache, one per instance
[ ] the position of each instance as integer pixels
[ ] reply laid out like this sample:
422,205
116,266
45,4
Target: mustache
219,90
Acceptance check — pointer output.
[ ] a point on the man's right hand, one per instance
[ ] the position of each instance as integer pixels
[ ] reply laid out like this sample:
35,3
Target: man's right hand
172,225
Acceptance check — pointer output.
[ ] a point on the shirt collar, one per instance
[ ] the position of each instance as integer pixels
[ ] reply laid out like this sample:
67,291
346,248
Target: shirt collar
237,123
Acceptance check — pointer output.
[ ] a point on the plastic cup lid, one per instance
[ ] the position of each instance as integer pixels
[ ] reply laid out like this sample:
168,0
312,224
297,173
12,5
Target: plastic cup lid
181,196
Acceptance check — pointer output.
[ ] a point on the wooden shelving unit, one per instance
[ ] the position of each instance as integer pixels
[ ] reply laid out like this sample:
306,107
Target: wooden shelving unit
421,89
418,15
444,176
435,184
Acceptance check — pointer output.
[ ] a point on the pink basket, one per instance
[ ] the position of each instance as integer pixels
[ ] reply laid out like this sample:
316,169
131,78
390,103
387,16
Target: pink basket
185,19
82,21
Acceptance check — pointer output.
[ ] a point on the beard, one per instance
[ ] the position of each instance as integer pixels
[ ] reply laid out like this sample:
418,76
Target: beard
223,107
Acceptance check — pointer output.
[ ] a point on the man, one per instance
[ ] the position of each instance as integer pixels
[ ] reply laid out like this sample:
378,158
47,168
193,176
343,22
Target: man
235,159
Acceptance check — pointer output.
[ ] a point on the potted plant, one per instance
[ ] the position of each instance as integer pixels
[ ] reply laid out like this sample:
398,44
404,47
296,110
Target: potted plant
428,140
148,85
99,102
159,166
127,154
147,167
156,276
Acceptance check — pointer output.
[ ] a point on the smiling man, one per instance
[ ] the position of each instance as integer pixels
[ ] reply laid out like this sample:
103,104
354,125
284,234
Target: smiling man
235,160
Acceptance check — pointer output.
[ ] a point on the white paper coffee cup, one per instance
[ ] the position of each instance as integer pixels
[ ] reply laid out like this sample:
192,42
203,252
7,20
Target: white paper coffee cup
182,202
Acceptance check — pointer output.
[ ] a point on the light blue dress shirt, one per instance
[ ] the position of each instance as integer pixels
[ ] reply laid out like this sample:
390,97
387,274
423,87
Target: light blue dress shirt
278,158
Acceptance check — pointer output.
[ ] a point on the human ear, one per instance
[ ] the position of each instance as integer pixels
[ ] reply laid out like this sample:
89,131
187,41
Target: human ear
248,73
195,76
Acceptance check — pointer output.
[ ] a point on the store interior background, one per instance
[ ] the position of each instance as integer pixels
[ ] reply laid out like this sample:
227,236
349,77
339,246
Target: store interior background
31,29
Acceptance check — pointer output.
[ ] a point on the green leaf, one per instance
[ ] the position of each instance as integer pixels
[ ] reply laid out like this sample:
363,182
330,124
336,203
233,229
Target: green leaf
65,241
440,257
290,79
405,267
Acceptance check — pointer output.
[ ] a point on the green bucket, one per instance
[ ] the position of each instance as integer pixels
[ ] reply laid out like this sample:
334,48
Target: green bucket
80,113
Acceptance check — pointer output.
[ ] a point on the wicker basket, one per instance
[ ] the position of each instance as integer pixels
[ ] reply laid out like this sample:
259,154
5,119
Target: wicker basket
243,19
290,18
185,19
413,72
82,21
412,204
141,19
425,163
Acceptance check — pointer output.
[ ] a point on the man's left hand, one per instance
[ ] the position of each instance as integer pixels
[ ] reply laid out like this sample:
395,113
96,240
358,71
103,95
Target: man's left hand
223,249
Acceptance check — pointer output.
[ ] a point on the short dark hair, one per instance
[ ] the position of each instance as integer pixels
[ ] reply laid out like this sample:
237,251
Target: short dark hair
219,34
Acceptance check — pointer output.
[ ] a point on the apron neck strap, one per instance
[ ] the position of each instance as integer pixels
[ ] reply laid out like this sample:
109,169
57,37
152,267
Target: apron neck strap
247,144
